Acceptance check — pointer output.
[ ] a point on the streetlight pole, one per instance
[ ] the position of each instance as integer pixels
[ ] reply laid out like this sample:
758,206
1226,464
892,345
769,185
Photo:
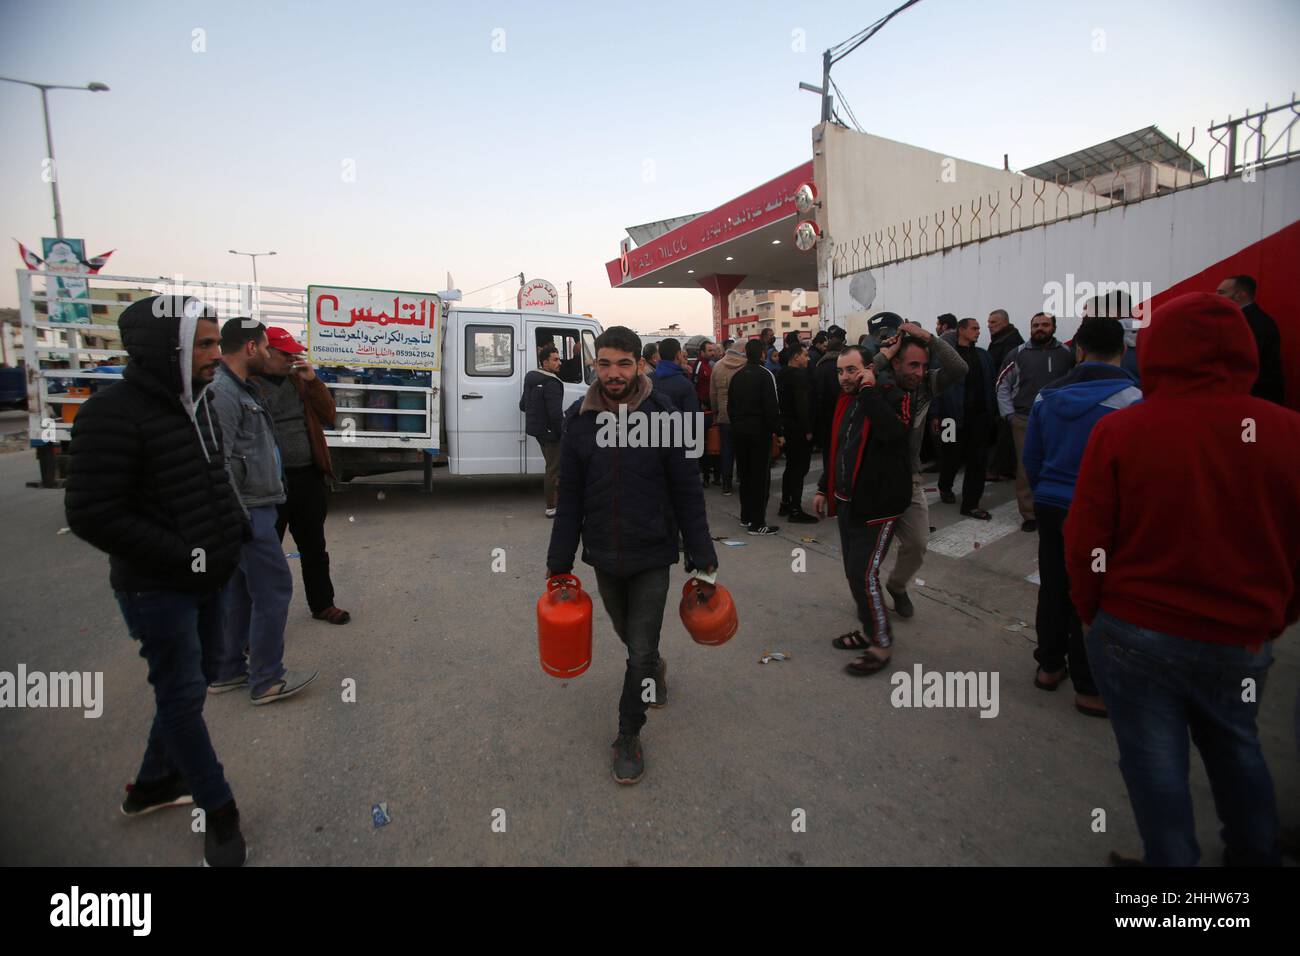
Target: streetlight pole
49,137
253,255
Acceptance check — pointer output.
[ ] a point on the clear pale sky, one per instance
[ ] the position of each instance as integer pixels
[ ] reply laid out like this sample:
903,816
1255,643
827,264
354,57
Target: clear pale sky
534,158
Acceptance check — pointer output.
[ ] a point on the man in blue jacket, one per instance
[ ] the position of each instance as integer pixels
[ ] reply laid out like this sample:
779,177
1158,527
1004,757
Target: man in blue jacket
543,406
1060,421
630,503
670,379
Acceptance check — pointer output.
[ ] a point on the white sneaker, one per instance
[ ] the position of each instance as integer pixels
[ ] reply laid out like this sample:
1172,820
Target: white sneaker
550,512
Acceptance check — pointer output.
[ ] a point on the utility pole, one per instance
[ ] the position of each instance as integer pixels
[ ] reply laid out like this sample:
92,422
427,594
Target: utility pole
569,293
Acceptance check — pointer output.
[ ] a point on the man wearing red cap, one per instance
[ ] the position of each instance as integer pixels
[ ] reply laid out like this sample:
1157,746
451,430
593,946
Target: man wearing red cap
302,408
1182,548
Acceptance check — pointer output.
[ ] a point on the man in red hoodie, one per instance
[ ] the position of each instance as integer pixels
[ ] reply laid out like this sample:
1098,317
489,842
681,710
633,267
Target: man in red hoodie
1183,551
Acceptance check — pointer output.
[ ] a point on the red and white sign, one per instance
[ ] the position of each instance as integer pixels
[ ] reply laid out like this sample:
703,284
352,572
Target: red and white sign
374,327
769,203
539,296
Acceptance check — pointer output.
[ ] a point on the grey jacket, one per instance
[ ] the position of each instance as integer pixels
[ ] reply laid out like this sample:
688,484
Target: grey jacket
248,441
1028,368
947,368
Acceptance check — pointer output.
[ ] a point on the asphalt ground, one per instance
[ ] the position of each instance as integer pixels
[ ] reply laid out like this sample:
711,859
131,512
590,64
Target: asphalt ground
456,728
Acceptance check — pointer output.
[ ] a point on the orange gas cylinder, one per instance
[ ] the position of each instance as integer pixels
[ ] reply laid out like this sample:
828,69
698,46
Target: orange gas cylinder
564,627
708,612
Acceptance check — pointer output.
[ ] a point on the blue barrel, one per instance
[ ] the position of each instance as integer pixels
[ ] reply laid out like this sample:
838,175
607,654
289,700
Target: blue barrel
374,399
415,400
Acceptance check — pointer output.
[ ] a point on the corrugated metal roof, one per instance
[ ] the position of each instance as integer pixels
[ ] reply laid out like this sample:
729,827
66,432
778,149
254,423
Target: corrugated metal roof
650,231
1147,145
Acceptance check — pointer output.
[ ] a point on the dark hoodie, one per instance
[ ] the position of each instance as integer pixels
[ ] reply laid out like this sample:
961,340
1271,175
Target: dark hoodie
1191,494
147,480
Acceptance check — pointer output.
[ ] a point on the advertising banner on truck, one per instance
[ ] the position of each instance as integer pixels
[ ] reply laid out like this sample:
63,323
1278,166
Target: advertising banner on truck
374,328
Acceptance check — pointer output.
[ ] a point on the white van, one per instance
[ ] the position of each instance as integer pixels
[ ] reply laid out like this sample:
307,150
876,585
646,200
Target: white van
463,411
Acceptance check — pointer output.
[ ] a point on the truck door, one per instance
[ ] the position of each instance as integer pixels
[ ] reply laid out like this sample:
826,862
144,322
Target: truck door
577,369
486,438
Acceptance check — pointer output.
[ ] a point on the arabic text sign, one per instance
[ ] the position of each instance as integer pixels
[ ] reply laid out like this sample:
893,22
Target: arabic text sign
373,327
539,295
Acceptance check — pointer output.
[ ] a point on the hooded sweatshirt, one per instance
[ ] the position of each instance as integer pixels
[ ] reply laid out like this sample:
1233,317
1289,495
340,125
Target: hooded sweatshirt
1191,494
720,381
671,379
1060,422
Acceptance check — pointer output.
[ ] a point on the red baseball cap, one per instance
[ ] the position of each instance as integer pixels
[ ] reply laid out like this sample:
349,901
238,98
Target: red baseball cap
278,338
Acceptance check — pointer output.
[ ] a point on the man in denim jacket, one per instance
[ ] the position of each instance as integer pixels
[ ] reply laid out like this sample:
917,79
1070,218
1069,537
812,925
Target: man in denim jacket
258,594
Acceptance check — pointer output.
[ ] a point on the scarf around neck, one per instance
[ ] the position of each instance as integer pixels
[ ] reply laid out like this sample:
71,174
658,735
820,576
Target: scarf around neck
595,400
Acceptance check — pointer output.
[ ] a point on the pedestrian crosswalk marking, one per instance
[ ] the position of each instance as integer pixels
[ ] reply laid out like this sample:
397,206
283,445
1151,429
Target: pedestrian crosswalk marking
961,538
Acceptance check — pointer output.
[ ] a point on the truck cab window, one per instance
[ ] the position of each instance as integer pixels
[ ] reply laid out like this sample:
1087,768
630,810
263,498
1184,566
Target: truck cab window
489,350
571,359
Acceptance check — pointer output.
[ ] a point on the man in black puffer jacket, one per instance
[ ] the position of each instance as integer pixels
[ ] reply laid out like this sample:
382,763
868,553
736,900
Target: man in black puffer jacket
543,406
630,505
147,483
869,483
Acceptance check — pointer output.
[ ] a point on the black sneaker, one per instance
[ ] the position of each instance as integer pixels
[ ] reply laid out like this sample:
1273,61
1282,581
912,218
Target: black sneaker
783,509
902,603
799,516
661,685
223,844
1029,525
764,528
142,798
947,497
726,489
628,762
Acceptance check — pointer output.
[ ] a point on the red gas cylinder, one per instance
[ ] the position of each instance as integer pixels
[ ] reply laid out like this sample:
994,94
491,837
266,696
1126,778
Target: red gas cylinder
564,627
708,612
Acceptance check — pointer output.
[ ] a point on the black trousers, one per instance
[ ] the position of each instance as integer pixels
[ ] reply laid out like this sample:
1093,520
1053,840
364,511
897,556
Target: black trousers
864,547
1060,635
303,513
798,457
636,606
754,472
970,450
1002,456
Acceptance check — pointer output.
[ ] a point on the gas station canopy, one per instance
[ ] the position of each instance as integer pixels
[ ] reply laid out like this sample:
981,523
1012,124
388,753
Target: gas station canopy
749,240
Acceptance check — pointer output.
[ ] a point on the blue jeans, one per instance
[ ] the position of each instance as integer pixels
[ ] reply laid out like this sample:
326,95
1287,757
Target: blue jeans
257,600
728,454
1158,688
180,636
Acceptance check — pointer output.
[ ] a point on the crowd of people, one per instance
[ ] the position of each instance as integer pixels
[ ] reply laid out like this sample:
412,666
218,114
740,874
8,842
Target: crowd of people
1166,509
1158,600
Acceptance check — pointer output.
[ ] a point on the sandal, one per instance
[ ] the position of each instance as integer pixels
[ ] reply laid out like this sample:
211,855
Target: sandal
852,641
867,664
979,513
334,615
1049,684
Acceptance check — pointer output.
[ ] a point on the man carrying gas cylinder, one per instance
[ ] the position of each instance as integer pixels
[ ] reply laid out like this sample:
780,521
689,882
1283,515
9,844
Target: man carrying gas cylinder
631,505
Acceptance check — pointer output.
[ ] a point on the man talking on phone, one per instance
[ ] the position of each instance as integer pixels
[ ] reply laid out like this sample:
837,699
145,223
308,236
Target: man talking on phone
302,408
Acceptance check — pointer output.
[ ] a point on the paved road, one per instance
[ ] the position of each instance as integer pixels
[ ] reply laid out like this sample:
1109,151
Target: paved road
455,720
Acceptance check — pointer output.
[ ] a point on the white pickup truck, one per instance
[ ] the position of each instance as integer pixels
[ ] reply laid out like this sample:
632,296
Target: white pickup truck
460,406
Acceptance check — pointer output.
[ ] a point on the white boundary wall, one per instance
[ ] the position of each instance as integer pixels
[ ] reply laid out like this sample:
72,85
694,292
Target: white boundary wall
1159,241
